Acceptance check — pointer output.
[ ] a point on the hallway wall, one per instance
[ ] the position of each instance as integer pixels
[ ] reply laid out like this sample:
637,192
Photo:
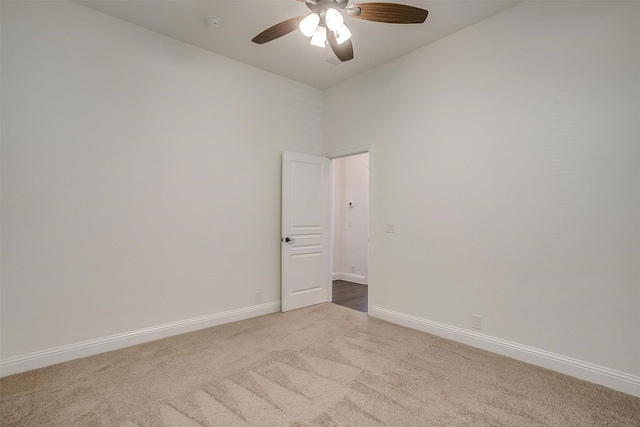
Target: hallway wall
351,223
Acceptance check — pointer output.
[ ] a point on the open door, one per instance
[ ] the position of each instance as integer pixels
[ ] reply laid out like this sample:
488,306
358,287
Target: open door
305,230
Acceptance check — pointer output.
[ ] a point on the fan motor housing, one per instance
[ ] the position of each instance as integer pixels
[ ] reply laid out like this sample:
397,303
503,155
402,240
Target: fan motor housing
321,6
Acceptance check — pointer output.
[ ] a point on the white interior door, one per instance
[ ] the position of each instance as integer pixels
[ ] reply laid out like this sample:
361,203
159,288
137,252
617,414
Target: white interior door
305,230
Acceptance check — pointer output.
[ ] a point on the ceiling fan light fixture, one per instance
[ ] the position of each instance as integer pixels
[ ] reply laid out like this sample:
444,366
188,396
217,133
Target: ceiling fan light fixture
325,25
319,38
343,34
309,24
334,19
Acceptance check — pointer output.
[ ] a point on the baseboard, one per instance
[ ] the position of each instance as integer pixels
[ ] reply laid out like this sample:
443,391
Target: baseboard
350,277
27,362
576,368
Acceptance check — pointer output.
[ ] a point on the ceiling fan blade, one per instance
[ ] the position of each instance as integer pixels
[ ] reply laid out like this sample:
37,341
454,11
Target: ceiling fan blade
278,30
343,51
390,13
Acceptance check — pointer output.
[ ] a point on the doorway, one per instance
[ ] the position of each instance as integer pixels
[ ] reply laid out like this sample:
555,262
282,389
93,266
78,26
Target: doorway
351,228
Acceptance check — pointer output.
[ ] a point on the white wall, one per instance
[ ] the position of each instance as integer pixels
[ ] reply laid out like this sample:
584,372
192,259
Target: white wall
351,224
508,156
140,177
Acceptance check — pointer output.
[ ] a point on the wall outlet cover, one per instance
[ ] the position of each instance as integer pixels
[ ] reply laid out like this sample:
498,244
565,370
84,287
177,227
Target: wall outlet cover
476,321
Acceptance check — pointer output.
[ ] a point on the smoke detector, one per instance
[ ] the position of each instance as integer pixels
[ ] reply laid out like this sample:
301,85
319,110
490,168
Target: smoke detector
213,21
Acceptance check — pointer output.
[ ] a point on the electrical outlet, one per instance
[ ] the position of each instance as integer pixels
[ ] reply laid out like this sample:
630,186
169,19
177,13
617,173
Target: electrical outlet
353,268
391,227
476,321
258,297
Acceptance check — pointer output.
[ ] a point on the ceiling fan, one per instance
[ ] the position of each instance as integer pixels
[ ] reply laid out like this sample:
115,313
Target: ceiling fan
325,23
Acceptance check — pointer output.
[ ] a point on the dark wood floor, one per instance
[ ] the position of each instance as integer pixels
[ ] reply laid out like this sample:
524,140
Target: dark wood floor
350,295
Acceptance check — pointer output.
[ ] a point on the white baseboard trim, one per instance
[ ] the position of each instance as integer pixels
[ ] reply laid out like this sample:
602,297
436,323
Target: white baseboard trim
616,380
350,277
39,359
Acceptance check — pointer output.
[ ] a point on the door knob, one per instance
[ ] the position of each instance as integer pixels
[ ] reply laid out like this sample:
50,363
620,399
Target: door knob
289,240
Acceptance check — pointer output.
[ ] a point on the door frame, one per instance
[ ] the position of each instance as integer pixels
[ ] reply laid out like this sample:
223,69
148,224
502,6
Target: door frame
337,155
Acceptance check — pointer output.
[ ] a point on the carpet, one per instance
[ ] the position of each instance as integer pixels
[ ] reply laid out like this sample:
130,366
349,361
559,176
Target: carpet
324,365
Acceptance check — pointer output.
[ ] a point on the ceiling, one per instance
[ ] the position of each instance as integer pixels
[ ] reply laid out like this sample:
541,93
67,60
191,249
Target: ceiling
292,56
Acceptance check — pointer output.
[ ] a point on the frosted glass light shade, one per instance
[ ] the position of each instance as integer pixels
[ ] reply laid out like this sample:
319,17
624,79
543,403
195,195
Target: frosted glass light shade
319,37
309,24
334,19
343,34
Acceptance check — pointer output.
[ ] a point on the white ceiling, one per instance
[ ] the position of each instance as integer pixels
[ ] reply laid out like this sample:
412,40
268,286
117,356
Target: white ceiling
292,56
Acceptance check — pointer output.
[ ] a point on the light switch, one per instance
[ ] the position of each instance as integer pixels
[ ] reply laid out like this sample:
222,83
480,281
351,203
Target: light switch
391,227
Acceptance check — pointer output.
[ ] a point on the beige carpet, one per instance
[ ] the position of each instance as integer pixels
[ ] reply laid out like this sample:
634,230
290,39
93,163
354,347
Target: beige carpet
321,366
